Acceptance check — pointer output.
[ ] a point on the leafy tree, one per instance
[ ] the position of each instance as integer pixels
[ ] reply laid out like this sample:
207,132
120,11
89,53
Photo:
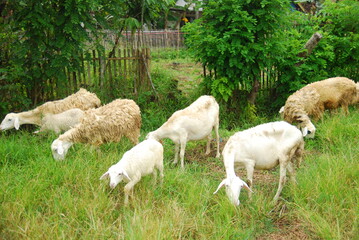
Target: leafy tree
340,24
39,39
237,39
50,35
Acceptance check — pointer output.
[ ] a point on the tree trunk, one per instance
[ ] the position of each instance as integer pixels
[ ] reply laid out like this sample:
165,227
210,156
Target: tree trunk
254,92
311,44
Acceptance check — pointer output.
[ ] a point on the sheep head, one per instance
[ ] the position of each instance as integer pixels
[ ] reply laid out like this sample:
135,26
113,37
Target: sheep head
233,188
116,175
59,149
10,121
306,126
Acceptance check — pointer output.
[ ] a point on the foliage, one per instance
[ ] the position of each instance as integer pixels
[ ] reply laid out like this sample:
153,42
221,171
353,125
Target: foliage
340,24
41,40
336,54
237,39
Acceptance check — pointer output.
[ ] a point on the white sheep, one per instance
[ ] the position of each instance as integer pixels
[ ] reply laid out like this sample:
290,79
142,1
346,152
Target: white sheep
141,160
314,98
121,117
262,147
62,121
82,99
192,123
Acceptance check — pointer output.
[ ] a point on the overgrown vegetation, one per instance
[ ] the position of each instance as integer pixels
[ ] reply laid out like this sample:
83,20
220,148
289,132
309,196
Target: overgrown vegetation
42,198
41,42
242,40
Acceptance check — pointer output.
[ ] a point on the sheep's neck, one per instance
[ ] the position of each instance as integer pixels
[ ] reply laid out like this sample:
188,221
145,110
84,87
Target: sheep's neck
162,132
30,117
230,171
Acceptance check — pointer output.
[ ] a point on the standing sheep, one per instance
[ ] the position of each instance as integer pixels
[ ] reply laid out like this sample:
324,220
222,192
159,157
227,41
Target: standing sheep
62,121
192,123
81,99
262,147
141,160
121,117
313,99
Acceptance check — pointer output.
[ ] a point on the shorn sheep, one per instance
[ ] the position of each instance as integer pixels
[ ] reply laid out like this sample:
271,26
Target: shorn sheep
82,99
121,117
192,123
262,147
62,121
313,99
141,160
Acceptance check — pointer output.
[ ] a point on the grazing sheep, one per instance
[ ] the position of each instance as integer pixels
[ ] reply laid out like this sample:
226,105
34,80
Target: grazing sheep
192,123
121,117
81,99
261,147
313,99
141,160
62,121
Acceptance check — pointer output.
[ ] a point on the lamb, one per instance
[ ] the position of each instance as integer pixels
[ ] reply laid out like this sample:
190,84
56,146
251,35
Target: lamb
192,123
62,121
313,99
261,147
81,99
141,160
121,117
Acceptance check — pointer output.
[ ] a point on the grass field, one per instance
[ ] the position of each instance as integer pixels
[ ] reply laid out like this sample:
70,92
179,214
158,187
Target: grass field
44,199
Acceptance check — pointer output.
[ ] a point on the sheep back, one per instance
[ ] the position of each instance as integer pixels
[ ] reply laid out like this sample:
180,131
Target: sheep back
121,117
314,98
62,121
199,107
335,92
303,102
82,99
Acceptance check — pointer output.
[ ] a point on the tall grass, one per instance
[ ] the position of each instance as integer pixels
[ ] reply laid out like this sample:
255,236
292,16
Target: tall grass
44,199
328,193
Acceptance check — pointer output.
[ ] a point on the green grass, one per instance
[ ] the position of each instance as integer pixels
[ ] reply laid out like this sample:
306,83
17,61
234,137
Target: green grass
44,199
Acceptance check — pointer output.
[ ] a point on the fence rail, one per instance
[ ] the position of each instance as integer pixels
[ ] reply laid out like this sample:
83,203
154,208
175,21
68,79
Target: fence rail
126,71
149,39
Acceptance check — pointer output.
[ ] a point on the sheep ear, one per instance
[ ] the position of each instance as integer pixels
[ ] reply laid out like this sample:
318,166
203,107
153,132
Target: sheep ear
304,131
105,175
126,175
246,186
60,150
224,182
16,123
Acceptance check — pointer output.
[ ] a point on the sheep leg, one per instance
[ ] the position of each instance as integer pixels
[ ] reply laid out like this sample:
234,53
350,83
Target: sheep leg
250,170
154,173
128,188
176,153
217,136
182,151
291,173
282,176
57,130
208,147
160,169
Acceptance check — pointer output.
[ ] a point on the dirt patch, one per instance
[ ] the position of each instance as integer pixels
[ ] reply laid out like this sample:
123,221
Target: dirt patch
187,74
288,228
